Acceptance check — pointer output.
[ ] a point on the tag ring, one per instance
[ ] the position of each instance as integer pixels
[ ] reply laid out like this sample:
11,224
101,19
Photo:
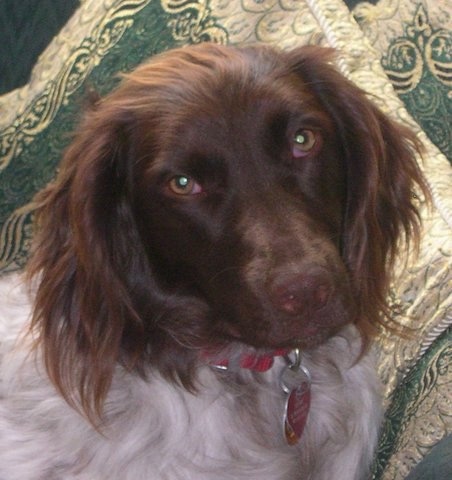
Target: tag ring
295,364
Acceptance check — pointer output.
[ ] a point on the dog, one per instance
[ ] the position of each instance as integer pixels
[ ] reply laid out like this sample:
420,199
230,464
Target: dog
209,269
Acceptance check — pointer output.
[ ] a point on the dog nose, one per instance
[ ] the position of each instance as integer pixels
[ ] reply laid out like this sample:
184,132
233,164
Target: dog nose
296,293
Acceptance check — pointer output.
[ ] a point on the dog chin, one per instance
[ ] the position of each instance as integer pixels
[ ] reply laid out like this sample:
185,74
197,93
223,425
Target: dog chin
305,337
314,338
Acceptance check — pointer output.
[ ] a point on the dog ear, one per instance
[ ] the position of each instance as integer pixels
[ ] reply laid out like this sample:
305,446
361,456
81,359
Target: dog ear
86,247
97,301
382,173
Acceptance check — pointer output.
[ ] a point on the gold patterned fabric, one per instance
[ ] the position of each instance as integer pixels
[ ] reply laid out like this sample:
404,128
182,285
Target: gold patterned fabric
415,39
104,37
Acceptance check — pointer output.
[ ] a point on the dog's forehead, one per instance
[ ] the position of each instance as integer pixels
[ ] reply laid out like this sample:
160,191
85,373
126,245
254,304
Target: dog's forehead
212,109
235,104
240,93
220,80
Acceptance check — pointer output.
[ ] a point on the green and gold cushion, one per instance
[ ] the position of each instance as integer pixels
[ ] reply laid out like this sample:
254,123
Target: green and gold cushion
415,40
103,38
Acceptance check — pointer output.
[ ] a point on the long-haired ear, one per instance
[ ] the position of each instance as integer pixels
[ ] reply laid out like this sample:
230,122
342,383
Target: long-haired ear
87,249
98,301
382,174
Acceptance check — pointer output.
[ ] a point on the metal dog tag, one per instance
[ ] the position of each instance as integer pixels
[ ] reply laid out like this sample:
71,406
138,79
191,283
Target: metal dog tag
296,383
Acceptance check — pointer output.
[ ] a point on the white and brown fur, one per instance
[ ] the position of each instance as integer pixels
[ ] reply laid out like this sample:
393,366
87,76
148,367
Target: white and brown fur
241,199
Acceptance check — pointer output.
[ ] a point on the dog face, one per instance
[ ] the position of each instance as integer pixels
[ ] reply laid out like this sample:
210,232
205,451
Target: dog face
241,205
218,195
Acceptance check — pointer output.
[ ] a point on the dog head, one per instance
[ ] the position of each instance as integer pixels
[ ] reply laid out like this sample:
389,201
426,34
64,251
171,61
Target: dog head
218,195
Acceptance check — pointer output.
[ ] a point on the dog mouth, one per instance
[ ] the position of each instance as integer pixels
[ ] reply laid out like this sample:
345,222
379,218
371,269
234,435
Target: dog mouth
306,337
256,322
282,334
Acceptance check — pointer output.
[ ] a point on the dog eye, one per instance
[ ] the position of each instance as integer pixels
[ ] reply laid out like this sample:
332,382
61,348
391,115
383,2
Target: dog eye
303,142
184,185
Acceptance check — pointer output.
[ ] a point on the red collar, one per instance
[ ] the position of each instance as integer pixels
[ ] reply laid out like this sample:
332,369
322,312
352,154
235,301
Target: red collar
258,362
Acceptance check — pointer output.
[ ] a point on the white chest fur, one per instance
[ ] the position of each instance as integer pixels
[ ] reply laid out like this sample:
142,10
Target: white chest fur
230,429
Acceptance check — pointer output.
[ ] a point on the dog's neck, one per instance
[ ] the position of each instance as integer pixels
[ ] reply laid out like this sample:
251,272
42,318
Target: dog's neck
294,380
